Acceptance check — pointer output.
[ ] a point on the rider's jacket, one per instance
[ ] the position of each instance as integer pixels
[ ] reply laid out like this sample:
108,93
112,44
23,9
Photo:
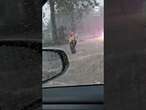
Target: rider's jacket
72,39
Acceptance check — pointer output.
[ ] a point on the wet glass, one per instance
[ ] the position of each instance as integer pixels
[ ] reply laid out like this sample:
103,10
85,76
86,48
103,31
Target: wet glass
86,55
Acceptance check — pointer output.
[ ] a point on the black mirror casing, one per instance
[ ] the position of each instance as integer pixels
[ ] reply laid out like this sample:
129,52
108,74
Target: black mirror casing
64,59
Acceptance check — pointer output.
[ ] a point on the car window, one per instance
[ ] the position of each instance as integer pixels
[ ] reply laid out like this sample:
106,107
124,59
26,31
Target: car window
76,26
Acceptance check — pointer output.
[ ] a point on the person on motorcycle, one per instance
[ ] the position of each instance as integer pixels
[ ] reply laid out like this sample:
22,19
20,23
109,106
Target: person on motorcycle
72,42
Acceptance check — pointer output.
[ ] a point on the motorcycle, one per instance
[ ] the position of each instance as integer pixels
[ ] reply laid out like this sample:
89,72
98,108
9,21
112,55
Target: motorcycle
73,46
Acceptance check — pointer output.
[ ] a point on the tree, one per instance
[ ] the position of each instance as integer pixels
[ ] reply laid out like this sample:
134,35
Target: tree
75,8
53,19
71,7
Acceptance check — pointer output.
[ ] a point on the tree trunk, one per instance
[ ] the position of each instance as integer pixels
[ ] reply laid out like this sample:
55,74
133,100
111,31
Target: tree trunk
53,19
73,25
72,22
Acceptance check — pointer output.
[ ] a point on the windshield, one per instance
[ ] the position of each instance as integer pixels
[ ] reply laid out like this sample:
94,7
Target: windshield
76,26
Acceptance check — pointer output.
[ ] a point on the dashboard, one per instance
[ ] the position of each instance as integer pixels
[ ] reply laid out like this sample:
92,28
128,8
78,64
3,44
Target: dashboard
74,98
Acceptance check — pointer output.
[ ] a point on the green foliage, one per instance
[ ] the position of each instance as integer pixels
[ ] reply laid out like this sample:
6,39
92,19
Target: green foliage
69,6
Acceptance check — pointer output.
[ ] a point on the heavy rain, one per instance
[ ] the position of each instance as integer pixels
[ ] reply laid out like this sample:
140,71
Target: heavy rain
83,18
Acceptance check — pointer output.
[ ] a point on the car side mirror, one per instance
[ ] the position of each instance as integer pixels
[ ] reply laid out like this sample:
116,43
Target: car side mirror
55,63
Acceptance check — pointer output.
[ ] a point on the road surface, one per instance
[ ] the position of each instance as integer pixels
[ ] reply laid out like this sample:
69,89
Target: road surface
86,66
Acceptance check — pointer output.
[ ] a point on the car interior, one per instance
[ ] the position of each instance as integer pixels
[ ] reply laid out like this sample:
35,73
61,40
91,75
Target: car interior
80,97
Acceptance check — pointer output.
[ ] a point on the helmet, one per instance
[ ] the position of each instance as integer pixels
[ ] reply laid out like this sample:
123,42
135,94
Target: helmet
71,33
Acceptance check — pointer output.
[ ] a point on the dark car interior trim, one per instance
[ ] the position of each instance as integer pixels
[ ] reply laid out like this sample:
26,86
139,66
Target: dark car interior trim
87,97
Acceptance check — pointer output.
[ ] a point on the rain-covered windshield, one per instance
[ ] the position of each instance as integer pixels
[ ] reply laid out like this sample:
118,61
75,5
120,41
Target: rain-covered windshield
76,26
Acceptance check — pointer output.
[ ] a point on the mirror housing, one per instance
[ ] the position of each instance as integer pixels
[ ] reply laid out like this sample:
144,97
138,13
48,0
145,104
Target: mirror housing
64,61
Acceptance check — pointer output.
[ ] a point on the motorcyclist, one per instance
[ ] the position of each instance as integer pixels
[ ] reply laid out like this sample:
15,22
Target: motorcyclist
72,42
